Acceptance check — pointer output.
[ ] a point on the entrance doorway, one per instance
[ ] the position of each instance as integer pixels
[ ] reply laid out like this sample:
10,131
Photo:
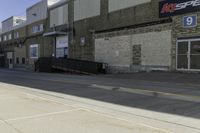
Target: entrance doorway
10,60
188,54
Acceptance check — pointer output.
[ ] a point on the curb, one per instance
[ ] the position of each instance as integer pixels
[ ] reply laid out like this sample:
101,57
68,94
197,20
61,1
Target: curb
158,94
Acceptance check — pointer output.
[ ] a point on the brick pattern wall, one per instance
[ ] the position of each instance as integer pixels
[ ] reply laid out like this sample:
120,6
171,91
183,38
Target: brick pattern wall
137,55
124,53
142,13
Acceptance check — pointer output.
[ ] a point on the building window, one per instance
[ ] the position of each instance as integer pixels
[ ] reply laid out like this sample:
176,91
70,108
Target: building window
41,27
34,51
4,37
16,35
62,46
9,36
0,39
37,28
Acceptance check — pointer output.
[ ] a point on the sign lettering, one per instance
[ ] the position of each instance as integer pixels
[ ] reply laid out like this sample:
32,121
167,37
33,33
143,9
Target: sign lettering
171,7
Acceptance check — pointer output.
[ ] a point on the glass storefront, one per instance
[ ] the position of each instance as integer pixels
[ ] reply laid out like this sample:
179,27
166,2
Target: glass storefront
188,54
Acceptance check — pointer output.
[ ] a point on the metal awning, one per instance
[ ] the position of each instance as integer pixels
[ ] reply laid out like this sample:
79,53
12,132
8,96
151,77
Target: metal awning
54,33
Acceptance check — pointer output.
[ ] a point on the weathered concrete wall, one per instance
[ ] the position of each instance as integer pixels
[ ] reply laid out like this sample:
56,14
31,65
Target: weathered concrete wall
86,8
59,16
19,53
134,15
37,12
156,48
45,47
8,24
30,27
21,31
116,49
115,5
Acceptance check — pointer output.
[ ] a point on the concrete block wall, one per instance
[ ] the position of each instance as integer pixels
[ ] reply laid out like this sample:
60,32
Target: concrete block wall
20,53
142,13
87,27
155,48
22,32
116,49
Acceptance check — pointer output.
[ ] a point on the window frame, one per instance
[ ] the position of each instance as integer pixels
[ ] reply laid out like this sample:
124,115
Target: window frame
16,35
37,51
10,36
38,28
5,38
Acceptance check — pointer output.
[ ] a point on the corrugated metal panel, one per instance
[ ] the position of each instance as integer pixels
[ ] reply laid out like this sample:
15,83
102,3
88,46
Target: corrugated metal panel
115,5
86,8
51,2
12,22
59,16
7,25
37,12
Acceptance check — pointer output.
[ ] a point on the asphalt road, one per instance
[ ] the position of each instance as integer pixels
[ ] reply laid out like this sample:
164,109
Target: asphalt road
56,103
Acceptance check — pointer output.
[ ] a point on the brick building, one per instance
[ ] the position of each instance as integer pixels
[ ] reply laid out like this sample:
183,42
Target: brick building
128,35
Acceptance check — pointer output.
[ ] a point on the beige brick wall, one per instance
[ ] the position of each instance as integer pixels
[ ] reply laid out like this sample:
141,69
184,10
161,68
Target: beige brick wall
156,47
117,51
21,31
19,53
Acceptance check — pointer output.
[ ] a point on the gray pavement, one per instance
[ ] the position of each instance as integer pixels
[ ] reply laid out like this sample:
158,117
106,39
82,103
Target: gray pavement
188,78
97,103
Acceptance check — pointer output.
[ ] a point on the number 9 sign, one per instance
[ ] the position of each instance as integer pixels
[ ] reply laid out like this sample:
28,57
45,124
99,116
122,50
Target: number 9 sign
189,21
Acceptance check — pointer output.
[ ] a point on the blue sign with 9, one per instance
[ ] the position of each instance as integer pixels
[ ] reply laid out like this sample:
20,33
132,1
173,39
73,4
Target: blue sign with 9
190,21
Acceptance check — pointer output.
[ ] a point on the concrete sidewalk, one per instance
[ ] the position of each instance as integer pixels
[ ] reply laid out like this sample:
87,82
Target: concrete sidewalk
26,110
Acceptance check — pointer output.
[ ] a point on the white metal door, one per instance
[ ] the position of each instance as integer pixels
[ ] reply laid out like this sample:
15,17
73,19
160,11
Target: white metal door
10,60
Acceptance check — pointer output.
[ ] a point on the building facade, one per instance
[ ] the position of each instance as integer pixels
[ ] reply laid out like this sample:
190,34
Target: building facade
139,35
128,35
23,43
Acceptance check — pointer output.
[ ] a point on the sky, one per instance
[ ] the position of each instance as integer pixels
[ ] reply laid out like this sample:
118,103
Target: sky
10,8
